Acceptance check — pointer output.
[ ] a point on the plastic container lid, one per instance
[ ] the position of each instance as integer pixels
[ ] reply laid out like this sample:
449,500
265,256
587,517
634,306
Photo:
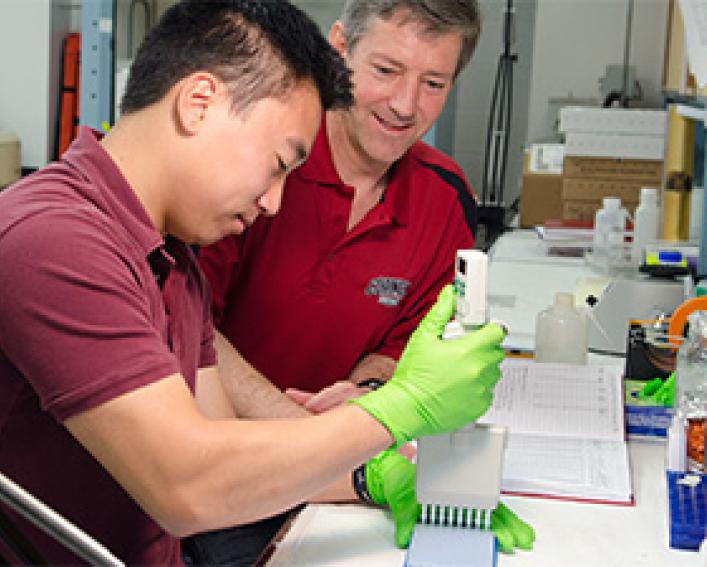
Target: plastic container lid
564,299
649,194
611,202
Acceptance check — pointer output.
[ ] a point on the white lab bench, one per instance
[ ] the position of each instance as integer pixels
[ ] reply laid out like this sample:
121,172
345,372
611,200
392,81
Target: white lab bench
569,534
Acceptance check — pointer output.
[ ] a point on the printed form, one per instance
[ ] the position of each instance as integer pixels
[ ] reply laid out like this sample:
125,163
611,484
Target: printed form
566,431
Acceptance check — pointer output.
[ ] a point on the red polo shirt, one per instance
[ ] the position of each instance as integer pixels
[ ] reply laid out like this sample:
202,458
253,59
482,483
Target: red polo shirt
303,299
84,320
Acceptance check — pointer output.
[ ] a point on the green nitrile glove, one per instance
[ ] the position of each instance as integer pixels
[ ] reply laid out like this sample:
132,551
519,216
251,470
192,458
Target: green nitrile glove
390,479
511,532
438,385
666,393
650,389
661,392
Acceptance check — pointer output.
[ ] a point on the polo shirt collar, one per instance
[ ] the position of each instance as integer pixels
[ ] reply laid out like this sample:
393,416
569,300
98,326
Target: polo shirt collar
95,164
319,168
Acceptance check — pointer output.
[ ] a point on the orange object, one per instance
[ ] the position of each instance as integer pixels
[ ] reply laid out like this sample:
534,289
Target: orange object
69,102
678,319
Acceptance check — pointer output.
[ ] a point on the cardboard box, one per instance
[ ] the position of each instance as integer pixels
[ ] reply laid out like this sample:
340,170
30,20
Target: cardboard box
9,158
580,189
540,197
584,210
645,171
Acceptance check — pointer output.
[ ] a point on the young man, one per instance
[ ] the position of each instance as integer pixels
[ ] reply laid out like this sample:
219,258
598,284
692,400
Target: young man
323,297
111,407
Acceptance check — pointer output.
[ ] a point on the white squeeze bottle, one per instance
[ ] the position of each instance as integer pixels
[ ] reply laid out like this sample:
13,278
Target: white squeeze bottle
645,224
561,332
609,228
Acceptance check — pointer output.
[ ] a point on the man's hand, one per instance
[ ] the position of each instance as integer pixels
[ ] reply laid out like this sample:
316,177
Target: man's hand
390,480
328,398
511,532
438,385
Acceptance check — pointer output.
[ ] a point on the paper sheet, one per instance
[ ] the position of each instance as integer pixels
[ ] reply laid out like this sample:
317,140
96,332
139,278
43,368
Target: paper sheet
561,400
694,13
594,470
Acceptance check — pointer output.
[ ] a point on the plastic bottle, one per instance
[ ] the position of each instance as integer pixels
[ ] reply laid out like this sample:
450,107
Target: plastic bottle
691,389
609,228
645,224
561,332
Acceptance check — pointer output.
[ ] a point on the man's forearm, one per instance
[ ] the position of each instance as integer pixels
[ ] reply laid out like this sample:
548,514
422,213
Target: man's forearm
251,393
373,366
339,491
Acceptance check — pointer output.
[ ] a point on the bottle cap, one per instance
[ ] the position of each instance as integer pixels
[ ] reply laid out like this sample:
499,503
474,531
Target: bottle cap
613,203
649,194
701,288
564,299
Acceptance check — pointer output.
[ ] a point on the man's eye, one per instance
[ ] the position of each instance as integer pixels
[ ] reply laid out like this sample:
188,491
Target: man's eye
383,70
437,85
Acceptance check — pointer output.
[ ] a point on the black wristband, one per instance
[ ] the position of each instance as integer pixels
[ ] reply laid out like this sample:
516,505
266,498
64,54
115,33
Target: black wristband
358,481
372,383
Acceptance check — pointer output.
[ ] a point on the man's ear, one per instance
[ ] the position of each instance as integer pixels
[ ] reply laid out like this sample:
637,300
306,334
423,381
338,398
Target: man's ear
337,38
196,94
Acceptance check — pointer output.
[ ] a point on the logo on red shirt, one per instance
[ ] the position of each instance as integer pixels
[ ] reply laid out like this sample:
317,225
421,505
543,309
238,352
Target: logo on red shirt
390,291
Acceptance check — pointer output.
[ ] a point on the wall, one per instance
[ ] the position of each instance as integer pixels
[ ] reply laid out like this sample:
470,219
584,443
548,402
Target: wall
324,12
563,49
31,35
576,39
475,91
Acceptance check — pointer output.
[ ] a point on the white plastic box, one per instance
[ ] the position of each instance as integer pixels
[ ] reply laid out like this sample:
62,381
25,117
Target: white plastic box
614,146
631,121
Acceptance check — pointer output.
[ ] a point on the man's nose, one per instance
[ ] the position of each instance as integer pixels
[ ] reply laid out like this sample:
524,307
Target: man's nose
404,98
270,201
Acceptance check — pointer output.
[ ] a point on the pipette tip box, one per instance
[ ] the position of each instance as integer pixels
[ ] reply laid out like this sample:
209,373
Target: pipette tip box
441,546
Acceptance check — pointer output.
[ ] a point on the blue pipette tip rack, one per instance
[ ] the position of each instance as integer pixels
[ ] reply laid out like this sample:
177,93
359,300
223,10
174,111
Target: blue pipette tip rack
688,507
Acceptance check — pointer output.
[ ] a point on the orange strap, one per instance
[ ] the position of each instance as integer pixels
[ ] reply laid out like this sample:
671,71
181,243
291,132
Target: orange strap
678,319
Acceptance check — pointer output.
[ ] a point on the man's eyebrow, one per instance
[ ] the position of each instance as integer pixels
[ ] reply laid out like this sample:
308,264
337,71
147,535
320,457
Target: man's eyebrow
387,58
395,63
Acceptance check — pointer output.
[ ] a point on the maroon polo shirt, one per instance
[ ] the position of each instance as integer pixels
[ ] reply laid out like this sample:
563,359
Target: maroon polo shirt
94,304
303,299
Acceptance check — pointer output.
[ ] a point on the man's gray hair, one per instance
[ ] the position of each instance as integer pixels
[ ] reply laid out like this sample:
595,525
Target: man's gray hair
437,16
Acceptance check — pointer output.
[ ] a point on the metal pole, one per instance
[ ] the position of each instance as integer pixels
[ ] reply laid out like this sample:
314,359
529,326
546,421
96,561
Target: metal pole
627,49
56,526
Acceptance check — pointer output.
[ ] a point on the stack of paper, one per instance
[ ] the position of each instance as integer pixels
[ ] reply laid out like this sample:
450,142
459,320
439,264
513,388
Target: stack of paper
566,431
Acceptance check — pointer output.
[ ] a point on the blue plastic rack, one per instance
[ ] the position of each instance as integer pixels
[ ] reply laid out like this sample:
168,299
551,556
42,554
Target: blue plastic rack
688,508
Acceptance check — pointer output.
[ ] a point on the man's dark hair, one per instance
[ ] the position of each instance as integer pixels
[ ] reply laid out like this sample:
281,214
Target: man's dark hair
258,48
